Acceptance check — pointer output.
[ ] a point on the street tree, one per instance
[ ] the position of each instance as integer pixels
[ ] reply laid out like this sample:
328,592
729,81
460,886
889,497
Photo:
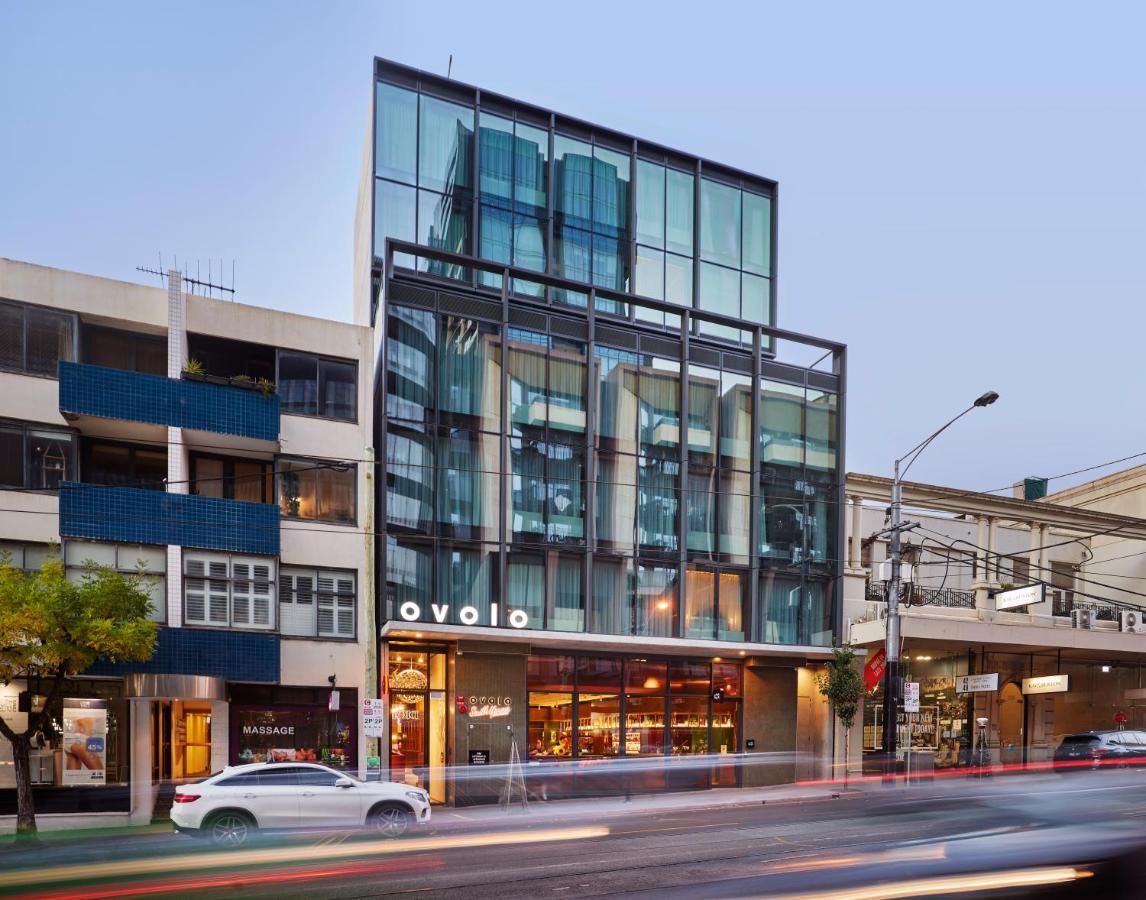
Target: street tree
842,684
52,628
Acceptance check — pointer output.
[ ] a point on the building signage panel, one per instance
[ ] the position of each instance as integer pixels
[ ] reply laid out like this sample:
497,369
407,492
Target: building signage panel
479,757
467,615
489,707
873,669
970,684
84,741
373,717
911,696
1046,684
1024,596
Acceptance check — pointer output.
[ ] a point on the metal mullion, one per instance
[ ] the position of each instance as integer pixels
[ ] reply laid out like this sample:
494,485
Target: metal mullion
550,249
841,370
503,446
631,223
755,495
682,481
695,232
590,461
475,191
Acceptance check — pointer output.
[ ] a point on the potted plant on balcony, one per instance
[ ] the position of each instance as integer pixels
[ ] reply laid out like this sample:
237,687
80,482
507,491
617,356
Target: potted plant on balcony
193,370
267,386
244,381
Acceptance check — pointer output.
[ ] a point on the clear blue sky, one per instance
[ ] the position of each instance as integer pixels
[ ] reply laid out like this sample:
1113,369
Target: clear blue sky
963,188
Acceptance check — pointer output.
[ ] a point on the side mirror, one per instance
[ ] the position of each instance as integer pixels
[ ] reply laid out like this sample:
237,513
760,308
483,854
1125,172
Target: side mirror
344,783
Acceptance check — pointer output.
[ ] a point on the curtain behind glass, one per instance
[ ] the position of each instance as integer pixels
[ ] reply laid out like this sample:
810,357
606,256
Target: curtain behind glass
612,595
469,373
568,601
410,363
731,604
782,616
525,589
464,579
699,603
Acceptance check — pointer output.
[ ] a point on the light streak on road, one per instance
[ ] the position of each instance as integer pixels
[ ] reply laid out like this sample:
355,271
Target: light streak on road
1007,879
287,855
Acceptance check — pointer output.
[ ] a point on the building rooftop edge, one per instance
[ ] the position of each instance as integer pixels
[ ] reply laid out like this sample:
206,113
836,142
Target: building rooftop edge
452,84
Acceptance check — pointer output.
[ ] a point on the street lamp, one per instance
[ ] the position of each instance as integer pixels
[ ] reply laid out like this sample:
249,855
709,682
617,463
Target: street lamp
891,684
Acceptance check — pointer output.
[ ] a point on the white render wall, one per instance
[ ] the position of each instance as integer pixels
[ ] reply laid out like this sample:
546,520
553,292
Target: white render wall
135,307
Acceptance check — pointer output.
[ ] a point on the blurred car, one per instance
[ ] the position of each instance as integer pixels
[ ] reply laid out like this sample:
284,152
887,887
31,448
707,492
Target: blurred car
230,806
1101,748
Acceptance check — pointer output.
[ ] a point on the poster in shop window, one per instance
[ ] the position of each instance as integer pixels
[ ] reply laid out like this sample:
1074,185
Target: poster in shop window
85,741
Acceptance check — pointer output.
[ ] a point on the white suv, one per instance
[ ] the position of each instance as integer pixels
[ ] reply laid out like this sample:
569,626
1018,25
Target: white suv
230,805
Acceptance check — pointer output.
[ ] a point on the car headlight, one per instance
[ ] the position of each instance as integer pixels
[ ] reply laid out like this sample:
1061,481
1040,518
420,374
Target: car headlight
420,796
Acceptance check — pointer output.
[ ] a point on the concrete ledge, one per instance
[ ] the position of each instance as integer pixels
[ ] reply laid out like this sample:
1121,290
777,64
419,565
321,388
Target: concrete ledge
70,821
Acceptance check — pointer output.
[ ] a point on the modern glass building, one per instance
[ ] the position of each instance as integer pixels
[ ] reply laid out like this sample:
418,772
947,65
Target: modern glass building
608,502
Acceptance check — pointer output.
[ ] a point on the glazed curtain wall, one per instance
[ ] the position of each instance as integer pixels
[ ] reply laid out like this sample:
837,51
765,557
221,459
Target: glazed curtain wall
513,455
511,187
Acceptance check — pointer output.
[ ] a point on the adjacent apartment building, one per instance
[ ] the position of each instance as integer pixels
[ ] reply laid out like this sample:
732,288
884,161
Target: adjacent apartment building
609,489
226,449
1022,620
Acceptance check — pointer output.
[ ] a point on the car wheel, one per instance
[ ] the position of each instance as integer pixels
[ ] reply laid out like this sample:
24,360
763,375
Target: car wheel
390,820
230,829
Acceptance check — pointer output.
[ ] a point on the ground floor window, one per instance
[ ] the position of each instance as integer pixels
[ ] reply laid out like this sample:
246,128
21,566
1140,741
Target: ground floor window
293,724
85,740
600,707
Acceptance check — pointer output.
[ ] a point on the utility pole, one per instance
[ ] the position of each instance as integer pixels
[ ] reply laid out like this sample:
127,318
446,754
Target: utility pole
893,684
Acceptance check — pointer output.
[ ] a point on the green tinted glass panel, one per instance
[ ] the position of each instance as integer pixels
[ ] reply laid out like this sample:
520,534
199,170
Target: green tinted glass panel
394,217
719,223
396,133
757,234
496,160
445,145
679,212
754,299
531,169
650,204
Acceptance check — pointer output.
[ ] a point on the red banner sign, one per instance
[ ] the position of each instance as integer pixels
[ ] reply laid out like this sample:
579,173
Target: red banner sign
874,668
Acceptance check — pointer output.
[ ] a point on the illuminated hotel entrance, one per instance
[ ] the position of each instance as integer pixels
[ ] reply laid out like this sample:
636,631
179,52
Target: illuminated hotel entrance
416,681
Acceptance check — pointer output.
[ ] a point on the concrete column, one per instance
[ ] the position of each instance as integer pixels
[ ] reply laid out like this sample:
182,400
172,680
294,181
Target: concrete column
992,560
220,734
854,554
981,576
142,790
1033,550
1044,532
178,462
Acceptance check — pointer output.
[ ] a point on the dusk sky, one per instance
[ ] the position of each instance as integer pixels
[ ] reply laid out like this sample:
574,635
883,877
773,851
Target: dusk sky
962,189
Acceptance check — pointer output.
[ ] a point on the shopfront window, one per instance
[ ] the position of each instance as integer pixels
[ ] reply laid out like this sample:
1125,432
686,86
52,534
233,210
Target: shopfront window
87,744
589,707
294,734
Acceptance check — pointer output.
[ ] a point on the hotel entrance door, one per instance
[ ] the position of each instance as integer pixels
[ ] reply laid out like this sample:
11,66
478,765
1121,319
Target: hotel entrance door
417,700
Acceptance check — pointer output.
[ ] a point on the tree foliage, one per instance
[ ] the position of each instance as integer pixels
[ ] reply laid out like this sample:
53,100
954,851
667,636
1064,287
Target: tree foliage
52,628
841,682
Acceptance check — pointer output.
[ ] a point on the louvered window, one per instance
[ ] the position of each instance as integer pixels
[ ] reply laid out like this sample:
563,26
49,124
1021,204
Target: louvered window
317,604
296,602
235,591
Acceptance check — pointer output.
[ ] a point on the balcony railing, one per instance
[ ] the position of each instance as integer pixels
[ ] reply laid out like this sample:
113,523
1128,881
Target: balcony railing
107,393
1104,610
915,595
141,516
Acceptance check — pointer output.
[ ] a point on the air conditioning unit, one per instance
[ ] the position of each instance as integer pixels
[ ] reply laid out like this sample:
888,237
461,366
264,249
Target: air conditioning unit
1082,618
1133,621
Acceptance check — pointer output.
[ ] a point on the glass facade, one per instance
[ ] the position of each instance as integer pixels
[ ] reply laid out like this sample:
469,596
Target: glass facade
531,474
513,185
551,466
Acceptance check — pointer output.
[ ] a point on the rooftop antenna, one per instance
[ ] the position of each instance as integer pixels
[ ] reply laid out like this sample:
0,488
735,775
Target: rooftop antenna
207,287
450,67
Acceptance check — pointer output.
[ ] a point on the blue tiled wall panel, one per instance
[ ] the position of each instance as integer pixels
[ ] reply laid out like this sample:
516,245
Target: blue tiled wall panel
137,515
234,655
137,397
